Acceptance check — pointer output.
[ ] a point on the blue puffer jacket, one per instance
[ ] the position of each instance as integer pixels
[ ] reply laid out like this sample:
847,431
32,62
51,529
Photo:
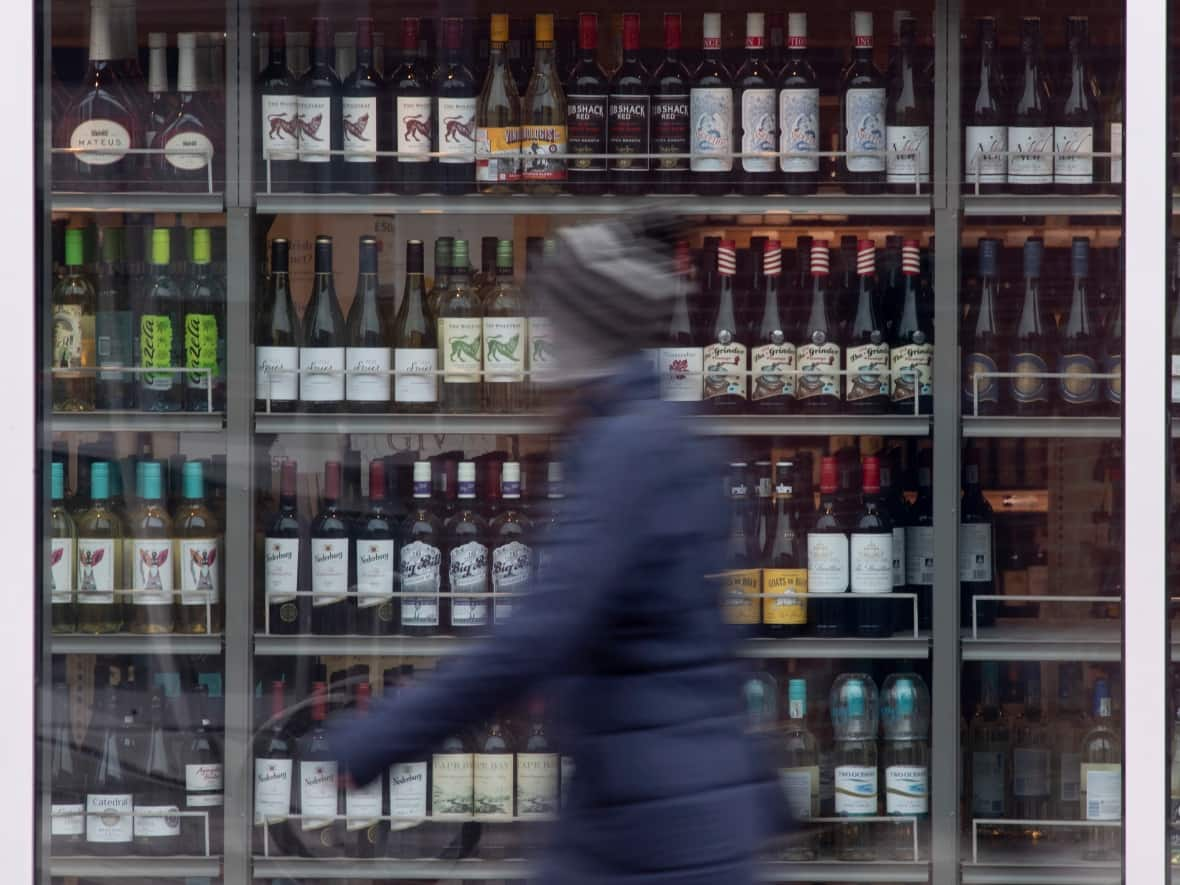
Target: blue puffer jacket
628,636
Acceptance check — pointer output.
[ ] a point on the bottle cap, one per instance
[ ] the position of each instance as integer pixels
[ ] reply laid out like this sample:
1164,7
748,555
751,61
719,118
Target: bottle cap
202,245
985,26
871,483
415,260
421,479
755,30
499,27
57,480
989,251
866,258
797,690
193,480
671,30
862,29
280,249
377,479
504,256
452,33
323,254
161,245
367,263
630,31
332,480
828,475
100,480
1033,249
911,258
459,257
510,479
288,478
544,27
587,30
442,255
726,258
821,259
797,30
906,29
74,249
364,33
466,479
410,27
772,258
711,27
153,474
1079,257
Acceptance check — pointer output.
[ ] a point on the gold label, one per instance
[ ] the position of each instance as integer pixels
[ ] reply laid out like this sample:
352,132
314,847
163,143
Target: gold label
785,601
739,595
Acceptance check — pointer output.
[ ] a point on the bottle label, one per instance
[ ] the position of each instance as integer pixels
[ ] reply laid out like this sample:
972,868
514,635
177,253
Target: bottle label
989,386
771,364
155,352
468,573
96,571
1030,773
1030,384
907,789
108,817
985,160
456,130
452,787
407,790
1068,142
680,371
276,373
539,146
272,790
460,344
61,569
872,562
503,349
363,805
864,128
493,786
1103,782
670,131
318,793
542,349
412,125
282,570
868,367
315,130
856,790
1071,777
321,376
908,160
785,600
711,129
91,136
585,120
1116,150
203,785
740,589
759,129
1031,157
536,785
374,572
329,570
912,367
1113,365
987,783
627,131
1080,386
420,385
67,820
69,337
201,347
975,552
818,364
188,151
801,787
725,370
368,379
511,569
151,571
420,565
798,114
200,571
899,556
497,152
280,127
112,342
827,563
919,545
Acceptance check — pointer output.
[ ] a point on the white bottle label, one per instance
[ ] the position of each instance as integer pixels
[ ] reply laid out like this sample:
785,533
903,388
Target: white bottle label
864,128
1071,777
272,790
975,551
801,786
371,385
759,128
363,805
493,786
725,370
329,570
61,567
67,820
321,376
460,347
899,556
868,371
872,563
1104,790
96,571
200,570
413,124
276,373
827,563
315,128
680,373
987,784
282,569
908,160
798,114
536,785
856,789
421,385
542,350
468,573
907,789
1031,157
318,793
419,569
504,347
711,129
919,547
375,569
818,364
1068,141
100,135
456,130
280,127
511,569
203,785
772,367
108,817
912,367
1030,773
985,160
151,571
162,822
407,790
1116,150
359,127
188,151
452,787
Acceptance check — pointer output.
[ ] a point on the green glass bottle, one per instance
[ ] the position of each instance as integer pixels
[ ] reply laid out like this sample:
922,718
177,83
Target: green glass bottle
415,353
460,338
100,558
61,553
74,303
504,339
198,546
152,565
204,330
442,276
161,332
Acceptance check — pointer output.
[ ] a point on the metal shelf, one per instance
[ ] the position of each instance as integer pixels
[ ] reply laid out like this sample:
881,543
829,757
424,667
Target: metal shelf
1053,428
135,644
144,422
894,648
1046,204
813,425
838,871
135,867
1042,874
1084,641
384,868
132,202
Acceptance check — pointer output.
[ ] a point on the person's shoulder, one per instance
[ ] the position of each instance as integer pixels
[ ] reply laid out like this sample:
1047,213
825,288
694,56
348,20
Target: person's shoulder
651,434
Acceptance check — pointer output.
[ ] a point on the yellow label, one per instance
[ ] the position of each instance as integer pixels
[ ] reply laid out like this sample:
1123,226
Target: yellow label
739,595
499,27
785,601
504,141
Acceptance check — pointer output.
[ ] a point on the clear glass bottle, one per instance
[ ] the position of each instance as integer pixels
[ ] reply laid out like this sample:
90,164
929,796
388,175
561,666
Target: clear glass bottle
100,558
905,761
504,339
74,304
1031,758
498,118
542,114
200,561
853,706
153,568
798,763
62,559
990,739
460,338
1102,780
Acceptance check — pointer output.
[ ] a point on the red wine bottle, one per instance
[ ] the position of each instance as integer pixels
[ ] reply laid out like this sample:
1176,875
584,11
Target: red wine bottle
364,123
827,560
332,606
376,560
866,358
420,559
586,91
278,116
818,353
629,115
274,761
862,113
190,138
976,547
467,559
285,561
919,542
319,784
203,784
320,112
756,111
798,112
412,121
456,93
871,556
669,114
711,116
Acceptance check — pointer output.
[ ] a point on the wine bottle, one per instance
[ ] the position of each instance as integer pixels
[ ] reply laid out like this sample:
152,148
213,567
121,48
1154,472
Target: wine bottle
1077,125
278,115
871,556
376,563
364,806
319,786
161,102
541,353
100,558
898,511
320,112
772,360
756,114
543,117
845,280
333,611
1079,393
198,609
493,789
114,387
441,281
67,781
818,353
203,784
188,140
629,115
586,91
460,338
420,559
62,559
322,356
537,772
111,786
1112,346
784,567
1030,129
497,118
412,121
364,127
985,140
681,357
510,537
862,112
1031,348
274,754
726,363
905,759
711,116
467,559
919,542
74,303
909,114
798,112
741,581
670,122
161,332
976,548
827,560
285,562
455,99
277,338
452,791
204,330
1102,779
799,771
984,345
415,352
505,344
912,351
367,386
866,386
